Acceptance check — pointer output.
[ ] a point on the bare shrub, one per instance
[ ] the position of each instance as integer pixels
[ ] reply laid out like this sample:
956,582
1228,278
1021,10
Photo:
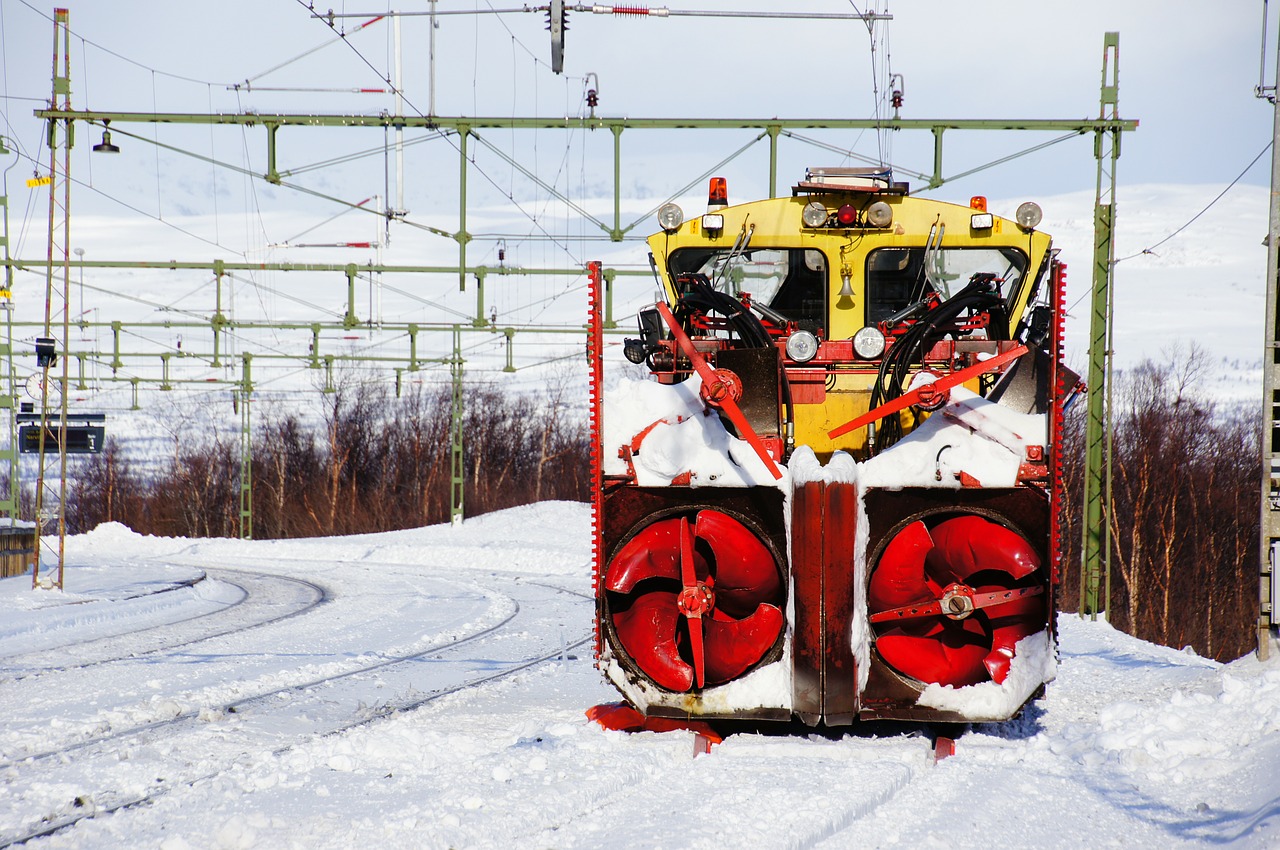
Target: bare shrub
373,463
1185,517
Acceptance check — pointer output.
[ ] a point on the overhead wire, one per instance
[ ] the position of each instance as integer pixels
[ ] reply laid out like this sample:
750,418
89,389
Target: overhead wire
1151,248
138,210
119,56
534,216
479,170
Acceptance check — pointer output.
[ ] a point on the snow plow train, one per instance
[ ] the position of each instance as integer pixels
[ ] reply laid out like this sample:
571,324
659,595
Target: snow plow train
835,498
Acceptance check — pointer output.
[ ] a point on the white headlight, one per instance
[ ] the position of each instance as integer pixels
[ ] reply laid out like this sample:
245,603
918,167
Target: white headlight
982,221
868,343
879,214
1028,215
802,346
670,217
713,221
814,214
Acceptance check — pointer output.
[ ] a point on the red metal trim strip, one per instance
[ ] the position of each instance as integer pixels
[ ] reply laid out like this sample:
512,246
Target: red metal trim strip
595,363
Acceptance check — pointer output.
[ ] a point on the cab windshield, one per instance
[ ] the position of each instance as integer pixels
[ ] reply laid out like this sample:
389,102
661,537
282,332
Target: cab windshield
790,281
899,277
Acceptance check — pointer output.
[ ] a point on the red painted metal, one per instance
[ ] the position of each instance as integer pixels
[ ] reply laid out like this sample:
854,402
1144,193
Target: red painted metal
745,572
729,596
943,748
733,646
967,544
823,548
808,646
653,553
726,384
694,600
839,548
620,717
647,631
996,599
931,397
950,604
899,578
595,362
941,651
708,376
1057,382
907,399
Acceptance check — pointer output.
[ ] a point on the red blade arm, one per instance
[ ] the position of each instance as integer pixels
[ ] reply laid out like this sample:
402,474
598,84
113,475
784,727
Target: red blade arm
708,376
692,613
909,398
980,601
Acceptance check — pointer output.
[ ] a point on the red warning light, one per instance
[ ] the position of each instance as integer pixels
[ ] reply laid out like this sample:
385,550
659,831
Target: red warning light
978,203
846,216
718,194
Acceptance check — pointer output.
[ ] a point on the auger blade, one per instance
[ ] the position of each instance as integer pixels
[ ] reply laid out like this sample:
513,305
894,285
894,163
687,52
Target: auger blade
949,652
732,646
899,579
969,544
745,572
647,631
653,553
1026,608
1003,641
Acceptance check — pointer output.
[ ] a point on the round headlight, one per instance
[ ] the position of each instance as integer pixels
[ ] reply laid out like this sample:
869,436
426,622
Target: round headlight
868,343
670,217
1028,215
814,215
879,214
802,346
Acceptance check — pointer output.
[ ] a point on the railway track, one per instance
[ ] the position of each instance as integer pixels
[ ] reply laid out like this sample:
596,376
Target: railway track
264,599
279,719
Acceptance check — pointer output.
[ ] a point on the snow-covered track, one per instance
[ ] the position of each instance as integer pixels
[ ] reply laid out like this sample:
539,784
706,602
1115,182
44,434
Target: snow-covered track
264,599
257,700
281,719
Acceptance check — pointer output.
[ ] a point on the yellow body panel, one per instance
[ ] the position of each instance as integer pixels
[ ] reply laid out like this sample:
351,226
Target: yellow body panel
777,223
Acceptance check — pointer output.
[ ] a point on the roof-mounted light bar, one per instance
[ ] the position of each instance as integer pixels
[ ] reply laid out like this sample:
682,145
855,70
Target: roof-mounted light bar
832,179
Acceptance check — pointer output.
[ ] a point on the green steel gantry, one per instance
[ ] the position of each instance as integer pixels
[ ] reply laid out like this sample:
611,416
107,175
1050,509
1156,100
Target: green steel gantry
1106,129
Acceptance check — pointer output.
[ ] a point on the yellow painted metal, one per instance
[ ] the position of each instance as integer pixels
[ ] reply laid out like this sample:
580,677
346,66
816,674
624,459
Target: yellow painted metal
777,223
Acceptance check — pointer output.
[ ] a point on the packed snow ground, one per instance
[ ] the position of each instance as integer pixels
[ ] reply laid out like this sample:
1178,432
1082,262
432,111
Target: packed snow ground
236,735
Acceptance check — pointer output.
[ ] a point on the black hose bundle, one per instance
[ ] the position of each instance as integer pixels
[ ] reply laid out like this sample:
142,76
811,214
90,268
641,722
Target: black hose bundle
700,296
980,294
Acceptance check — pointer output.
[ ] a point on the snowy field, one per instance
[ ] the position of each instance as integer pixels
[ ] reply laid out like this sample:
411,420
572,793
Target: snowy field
426,689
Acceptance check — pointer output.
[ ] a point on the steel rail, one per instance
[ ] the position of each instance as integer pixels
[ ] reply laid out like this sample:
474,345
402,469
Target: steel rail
320,596
56,826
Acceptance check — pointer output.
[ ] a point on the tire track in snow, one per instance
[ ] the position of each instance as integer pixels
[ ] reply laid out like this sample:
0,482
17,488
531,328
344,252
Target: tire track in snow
168,732
263,594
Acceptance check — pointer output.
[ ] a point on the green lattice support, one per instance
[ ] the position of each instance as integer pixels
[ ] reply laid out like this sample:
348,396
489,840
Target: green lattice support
1095,552
244,393
458,477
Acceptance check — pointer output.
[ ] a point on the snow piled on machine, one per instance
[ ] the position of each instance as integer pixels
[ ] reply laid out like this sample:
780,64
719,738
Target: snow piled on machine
969,434
668,432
